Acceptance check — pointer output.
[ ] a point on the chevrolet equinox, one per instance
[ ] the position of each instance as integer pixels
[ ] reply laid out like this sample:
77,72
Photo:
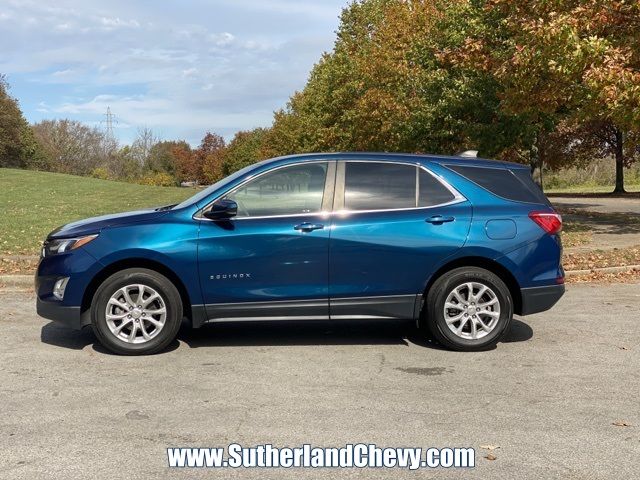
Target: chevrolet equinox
457,244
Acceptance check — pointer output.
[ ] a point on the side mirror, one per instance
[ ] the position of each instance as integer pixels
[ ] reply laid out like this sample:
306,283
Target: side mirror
222,210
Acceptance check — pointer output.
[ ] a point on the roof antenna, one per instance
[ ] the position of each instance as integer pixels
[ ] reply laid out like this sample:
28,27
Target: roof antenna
469,154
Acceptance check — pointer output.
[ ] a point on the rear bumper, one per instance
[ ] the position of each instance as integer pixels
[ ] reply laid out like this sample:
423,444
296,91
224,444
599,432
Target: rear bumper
540,299
67,315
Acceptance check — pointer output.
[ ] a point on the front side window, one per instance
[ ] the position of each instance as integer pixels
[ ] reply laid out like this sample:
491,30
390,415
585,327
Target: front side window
296,189
387,186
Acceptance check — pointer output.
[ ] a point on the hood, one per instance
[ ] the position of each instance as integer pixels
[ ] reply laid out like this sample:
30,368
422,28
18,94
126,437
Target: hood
95,224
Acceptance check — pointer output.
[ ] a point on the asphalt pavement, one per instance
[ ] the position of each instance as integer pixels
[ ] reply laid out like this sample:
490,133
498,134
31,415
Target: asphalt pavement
547,398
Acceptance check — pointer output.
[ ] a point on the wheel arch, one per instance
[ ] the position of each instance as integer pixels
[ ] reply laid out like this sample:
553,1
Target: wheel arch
487,264
123,264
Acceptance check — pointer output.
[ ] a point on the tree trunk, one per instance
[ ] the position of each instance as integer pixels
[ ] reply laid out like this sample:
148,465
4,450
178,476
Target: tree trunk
619,149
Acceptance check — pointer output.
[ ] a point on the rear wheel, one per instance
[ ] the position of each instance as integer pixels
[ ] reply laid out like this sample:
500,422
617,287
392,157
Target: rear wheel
136,312
468,309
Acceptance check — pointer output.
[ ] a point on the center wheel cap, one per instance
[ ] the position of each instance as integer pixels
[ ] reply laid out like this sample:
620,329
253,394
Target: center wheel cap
136,313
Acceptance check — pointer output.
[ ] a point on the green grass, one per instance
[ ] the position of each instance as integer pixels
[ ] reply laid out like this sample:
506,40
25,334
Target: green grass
34,203
585,189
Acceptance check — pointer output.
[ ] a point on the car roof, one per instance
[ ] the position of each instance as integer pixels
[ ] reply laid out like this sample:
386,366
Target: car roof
400,157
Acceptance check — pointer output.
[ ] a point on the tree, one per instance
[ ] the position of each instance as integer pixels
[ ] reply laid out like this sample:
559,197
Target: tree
161,157
122,165
246,148
565,61
388,85
210,158
186,166
18,147
142,145
70,146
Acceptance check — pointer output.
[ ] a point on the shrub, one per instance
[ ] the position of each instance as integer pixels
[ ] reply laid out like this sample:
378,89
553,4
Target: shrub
158,179
101,173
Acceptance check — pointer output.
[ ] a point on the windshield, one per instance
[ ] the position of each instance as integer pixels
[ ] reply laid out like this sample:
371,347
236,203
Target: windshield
198,197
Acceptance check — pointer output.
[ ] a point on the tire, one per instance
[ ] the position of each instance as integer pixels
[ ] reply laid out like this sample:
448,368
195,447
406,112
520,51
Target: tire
125,329
493,309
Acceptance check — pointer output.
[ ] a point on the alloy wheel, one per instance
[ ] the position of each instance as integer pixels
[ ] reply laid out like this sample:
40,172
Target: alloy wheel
472,310
136,313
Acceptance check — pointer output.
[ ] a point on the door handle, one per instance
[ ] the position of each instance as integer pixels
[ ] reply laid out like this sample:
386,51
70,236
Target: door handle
439,219
308,227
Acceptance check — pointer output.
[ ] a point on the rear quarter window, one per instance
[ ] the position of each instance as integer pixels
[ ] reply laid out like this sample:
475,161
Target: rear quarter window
516,185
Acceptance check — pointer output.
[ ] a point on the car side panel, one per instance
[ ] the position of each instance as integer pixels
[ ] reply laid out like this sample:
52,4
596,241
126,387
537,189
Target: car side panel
391,253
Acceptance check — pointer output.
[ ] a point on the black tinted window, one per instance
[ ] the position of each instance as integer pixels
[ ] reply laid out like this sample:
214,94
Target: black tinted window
525,177
431,191
284,191
379,186
499,181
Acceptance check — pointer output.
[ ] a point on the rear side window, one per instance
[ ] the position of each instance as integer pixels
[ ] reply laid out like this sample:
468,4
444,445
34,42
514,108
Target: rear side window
431,191
379,186
385,186
516,185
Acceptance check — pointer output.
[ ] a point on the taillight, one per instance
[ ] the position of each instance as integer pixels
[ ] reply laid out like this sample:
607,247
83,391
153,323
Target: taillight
549,222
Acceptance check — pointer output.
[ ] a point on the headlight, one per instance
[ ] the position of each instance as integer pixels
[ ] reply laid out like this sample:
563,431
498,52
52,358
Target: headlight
61,245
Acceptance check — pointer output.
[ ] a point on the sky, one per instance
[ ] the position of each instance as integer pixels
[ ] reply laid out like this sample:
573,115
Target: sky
181,68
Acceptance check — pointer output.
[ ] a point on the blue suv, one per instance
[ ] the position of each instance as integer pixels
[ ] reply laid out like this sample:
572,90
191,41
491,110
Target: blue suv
459,245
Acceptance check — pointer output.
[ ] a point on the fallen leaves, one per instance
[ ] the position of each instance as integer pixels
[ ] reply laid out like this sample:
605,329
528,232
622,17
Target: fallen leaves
602,258
621,423
490,456
594,276
17,266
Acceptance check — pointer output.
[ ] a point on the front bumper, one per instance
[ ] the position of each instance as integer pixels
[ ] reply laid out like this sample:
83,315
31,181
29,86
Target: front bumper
540,299
69,316
80,268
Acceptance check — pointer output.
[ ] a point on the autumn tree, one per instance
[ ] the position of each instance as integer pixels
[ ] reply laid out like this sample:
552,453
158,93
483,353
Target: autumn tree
161,156
18,147
389,85
565,62
210,158
246,148
70,146
186,163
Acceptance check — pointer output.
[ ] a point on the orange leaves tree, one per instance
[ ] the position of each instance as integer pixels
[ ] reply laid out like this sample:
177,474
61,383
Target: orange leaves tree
566,64
388,85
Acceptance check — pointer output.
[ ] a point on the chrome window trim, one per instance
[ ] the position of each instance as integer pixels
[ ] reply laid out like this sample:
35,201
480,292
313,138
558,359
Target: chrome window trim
338,191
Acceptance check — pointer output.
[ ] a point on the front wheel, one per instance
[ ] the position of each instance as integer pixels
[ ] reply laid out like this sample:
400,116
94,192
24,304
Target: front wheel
136,312
468,309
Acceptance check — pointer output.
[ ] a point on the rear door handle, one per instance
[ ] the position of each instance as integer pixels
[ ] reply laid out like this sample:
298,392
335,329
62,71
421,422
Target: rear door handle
308,227
439,219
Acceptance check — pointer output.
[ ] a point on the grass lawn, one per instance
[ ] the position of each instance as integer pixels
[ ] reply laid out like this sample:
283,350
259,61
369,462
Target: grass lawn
584,189
34,203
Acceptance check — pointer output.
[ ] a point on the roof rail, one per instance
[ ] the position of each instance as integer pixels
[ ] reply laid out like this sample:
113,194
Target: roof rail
469,154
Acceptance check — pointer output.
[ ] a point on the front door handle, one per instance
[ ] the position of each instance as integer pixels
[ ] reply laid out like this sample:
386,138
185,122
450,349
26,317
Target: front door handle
308,227
439,219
